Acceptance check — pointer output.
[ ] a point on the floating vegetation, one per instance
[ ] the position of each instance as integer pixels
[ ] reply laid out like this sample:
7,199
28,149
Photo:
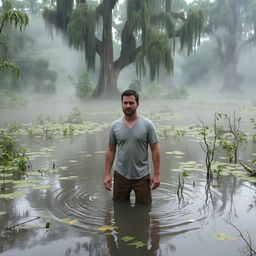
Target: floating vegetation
3,213
224,237
106,228
188,166
138,244
63,167
12,195
128,238
68,178
41,187
69,221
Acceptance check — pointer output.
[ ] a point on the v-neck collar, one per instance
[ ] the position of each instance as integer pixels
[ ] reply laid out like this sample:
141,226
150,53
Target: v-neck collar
130,128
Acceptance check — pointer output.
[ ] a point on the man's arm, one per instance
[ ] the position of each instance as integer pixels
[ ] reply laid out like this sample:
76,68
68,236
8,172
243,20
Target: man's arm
155,179
110,156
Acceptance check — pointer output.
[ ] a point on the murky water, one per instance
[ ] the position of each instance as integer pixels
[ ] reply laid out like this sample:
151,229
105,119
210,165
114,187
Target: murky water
84,220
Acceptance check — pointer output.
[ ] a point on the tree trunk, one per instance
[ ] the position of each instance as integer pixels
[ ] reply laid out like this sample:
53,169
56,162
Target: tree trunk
107,82
232,79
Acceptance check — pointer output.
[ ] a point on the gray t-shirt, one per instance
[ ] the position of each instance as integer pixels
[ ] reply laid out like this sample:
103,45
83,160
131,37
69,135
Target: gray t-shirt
132,153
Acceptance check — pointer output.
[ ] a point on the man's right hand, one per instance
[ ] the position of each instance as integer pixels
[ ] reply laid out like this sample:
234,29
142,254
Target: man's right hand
108,182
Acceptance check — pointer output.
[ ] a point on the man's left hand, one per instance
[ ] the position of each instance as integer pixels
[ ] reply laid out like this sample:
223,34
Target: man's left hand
155,181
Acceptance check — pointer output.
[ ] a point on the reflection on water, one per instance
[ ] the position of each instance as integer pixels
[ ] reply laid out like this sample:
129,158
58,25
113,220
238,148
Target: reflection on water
84,220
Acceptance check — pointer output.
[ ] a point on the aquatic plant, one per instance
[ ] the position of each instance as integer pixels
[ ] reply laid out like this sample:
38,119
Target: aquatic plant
177,93
231,137
75,116
84,86
209,144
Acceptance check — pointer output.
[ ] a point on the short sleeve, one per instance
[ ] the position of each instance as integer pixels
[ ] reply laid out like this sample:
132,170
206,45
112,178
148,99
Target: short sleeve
152,134
111,137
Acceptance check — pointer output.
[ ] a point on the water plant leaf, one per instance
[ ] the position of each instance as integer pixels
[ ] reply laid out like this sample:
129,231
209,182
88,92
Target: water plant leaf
69,221
6,181
106,228
68,178
48,225
127,238
12,195
2,213
63,167
6,174
72,161
137,244
41,187
250,179
224,237
30,227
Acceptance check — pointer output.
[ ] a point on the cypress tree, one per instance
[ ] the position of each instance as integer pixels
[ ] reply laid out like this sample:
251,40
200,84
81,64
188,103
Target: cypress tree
147,38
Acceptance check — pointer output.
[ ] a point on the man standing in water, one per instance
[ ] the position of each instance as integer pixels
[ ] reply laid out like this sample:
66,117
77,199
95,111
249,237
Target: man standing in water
131,135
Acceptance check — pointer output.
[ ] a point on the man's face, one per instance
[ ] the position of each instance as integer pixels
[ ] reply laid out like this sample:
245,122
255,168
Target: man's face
129,105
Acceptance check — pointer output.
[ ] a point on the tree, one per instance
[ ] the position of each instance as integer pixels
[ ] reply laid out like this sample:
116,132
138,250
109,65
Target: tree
9,17
45,78
233,25
145,36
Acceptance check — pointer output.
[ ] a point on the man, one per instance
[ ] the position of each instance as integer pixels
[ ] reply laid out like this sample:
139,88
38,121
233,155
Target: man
131,135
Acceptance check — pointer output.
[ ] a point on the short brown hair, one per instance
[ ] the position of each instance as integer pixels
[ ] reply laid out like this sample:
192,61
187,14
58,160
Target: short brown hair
130,93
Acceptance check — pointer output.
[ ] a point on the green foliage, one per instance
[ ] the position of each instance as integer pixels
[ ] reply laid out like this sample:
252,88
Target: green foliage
75,116
231,138
10,155
10,17
84,87
81,32
44,78
9,66
145,37
177,93
190,32
135,85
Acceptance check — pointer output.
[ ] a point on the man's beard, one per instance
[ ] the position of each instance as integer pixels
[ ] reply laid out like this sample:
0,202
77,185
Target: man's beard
128,112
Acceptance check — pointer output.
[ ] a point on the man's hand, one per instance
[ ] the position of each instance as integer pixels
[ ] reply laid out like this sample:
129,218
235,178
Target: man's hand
108,182
155,181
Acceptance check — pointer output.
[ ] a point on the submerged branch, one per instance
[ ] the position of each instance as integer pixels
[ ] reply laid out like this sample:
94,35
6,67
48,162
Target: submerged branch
22,223
248,243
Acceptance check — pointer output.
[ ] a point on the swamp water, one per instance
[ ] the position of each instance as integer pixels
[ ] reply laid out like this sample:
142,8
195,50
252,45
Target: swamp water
64,188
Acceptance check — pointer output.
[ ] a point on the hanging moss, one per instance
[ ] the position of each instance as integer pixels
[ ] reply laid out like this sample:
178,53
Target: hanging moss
157,53
81,32
191,30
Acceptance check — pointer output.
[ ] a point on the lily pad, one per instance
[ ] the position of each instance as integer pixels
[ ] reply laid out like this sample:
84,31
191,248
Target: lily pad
2,213
138,244
68,178
6,174
12,195
127,238
63,167
107,228
41,187
69,221
224,237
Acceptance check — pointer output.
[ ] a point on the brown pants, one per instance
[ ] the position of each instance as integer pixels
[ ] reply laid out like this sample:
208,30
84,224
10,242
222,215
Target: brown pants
123,188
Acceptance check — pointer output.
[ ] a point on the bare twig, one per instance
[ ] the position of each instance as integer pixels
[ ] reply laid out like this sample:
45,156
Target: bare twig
248,243
22,223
